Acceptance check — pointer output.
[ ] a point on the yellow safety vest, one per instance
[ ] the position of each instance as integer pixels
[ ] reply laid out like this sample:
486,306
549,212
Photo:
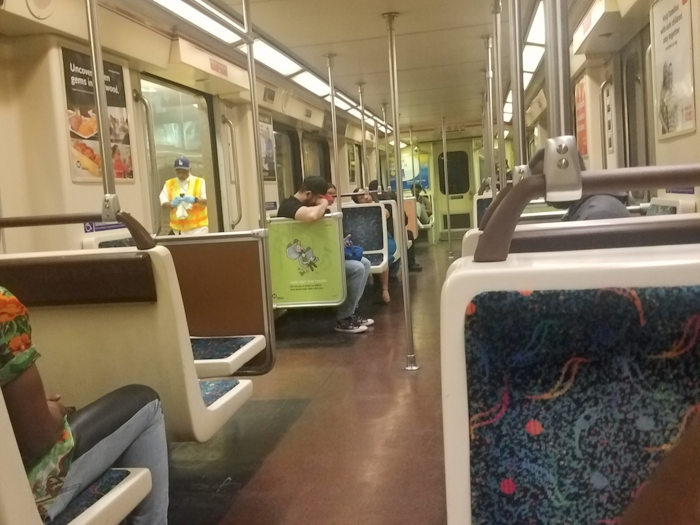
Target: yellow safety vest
198,217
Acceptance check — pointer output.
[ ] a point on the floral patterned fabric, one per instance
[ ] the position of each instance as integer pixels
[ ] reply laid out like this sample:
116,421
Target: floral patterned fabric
574,397
17,354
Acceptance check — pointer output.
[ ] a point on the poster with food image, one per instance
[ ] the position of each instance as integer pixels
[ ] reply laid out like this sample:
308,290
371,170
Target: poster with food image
81,120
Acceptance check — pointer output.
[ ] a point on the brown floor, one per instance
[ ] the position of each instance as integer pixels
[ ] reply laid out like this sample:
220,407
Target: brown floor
338,433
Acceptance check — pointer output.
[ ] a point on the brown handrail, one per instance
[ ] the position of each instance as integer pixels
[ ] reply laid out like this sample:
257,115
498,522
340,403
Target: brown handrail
142,238
495,242
495,203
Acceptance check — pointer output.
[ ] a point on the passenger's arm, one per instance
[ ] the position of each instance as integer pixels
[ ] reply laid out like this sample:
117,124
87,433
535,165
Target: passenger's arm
37,425
311,213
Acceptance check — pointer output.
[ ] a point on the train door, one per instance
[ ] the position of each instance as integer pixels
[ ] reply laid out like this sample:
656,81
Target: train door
459,167
637,127
288,158
183,126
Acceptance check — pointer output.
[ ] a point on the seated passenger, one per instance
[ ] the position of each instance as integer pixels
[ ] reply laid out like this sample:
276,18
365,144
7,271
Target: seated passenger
413,266
65,451
589,207
309,204
424,208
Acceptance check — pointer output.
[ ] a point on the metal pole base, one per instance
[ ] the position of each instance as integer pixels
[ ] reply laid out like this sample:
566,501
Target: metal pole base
411,364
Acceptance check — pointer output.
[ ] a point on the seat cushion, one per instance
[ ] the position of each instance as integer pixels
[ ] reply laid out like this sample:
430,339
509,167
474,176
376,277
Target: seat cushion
574,396
90,496
218,348
214,389
375,259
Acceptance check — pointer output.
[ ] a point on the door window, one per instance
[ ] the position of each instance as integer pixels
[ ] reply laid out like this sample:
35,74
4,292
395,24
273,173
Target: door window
316,153
182,127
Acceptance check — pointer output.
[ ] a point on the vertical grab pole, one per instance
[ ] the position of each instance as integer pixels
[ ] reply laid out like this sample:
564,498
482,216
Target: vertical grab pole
393,75
488,133
604,125
413,157
364,174
378,165
498,91
334,122
558,69
257,146
447,189
153,159
110,202
516,82
386,147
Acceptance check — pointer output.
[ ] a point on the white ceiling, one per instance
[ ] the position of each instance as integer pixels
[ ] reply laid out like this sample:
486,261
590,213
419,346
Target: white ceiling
440,50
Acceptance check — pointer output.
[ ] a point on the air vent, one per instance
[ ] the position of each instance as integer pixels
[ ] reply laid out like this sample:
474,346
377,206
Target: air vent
269,95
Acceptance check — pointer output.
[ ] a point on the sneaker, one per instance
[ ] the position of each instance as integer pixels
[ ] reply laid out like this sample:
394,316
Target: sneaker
361,321
415,268
349,327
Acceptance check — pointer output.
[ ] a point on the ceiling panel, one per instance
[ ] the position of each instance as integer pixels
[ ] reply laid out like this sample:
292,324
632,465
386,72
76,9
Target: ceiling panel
440,49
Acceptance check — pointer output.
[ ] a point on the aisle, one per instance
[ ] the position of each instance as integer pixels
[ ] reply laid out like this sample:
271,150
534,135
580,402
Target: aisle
338,433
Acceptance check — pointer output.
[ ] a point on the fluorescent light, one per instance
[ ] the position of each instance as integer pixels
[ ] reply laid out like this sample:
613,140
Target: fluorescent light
506,133
402,143
220,15
509,98
369,121
532,56
507,117
312,83
268,55
199,19
527,78
508,108
339,103
356,113
536,35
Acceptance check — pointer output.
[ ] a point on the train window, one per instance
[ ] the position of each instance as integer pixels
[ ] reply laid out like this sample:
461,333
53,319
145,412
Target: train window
317,161
457,172
183,127
287,152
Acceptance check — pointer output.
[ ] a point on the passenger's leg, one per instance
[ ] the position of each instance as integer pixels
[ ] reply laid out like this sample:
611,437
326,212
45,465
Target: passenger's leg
412,264
123,429
384,279
355,279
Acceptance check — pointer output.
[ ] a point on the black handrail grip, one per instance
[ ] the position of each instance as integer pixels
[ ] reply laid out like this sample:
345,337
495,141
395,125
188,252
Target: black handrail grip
143,239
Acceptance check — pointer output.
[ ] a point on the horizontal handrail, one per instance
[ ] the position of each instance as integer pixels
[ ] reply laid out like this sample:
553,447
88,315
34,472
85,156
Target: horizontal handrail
494,244
142,238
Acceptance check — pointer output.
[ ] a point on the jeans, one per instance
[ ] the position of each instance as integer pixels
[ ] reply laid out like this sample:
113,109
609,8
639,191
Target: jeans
356,276
140,442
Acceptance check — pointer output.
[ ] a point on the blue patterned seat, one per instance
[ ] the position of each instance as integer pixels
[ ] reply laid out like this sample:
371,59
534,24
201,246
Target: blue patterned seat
574,396
214,389
218,348
367,228
90,496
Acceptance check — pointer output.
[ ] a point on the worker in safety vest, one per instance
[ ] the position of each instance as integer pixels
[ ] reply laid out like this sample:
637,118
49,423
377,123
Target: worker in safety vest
186,198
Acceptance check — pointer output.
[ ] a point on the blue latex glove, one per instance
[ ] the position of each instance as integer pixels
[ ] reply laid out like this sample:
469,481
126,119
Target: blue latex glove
189,199
176,202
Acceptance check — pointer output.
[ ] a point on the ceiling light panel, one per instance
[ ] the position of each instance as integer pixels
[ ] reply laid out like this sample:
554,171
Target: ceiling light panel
536,35
312,83
356,113
339,103
199,19
527,78
508,108
268,55
509,98
507,117
532,56
220,15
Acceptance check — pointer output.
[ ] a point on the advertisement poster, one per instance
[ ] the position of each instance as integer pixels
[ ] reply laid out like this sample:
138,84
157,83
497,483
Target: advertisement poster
81,120
414,169
267,143
306,263
672,42
581,121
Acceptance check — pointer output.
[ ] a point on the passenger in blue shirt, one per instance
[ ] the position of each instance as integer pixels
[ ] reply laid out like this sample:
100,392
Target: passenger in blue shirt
589,207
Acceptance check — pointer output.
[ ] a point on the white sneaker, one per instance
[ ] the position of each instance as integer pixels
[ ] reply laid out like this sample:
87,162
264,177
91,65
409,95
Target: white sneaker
348,326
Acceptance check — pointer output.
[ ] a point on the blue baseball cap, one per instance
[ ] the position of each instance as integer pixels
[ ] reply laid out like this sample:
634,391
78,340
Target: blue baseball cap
182,163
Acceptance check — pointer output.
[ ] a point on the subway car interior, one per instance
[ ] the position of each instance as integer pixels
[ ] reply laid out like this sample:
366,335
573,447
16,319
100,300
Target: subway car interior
282,262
